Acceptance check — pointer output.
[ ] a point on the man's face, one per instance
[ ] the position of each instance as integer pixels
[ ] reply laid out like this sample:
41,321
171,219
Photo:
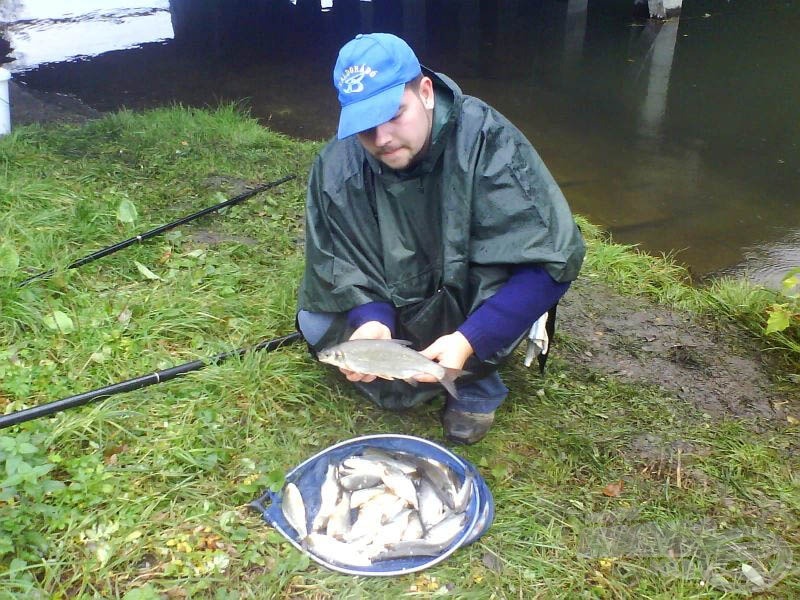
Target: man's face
399,142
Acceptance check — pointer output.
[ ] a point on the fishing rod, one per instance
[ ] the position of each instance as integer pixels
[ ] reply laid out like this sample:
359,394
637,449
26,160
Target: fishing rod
159,230
136,383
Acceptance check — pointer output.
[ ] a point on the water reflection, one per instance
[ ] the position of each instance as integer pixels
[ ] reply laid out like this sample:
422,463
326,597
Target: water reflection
42,31
659,48
676,136
768,263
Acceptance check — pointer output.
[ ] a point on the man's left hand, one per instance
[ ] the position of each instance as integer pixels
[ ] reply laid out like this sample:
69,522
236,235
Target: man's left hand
450,351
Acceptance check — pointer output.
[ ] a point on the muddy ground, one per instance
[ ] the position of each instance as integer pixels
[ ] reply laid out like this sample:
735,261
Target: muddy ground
716,369
31,106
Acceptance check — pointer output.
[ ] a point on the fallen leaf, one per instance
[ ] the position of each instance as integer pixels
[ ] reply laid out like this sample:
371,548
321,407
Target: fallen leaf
792,420
124,317
612,490
59,321
606,565
126,211
492,562
145,271
9,259
753,575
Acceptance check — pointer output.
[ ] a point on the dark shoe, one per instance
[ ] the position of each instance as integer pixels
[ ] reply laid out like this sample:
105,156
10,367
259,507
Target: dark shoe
464,427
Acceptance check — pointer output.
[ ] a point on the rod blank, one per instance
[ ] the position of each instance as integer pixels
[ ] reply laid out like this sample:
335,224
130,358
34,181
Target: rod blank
136,383
161,229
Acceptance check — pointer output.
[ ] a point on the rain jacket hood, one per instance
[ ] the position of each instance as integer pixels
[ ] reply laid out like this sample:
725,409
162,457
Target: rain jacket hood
479,201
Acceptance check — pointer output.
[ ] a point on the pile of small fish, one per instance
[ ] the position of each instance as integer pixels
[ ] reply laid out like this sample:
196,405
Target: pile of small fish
380,505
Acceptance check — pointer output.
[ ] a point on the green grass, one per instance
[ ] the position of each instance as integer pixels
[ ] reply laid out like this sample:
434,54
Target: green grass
144,495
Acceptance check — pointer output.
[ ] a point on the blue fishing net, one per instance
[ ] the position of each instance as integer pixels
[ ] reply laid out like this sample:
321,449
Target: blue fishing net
310,474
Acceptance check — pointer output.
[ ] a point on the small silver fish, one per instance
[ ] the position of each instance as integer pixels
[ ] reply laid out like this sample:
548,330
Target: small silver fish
294,509
414,530
431,507
357,481
439,477
408,548
388,359
329,496
334,550
385,458
360,497
339,523
463,495
400,485
446,530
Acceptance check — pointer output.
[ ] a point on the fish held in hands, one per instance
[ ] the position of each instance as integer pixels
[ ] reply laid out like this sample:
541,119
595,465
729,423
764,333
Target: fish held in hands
388,359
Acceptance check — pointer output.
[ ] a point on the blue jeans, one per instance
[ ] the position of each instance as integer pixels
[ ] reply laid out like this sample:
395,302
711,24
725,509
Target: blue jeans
480,396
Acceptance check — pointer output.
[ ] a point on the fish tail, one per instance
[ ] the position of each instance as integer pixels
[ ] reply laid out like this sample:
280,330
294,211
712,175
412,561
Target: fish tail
448,381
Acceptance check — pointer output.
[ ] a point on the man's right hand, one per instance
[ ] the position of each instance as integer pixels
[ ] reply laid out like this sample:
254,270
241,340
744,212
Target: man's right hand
371,330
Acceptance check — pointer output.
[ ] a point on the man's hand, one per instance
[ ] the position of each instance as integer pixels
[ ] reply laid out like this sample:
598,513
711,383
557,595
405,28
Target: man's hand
371,330
450,351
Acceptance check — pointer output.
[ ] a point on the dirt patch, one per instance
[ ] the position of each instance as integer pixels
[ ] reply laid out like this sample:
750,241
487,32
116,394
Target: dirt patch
716,369
30,106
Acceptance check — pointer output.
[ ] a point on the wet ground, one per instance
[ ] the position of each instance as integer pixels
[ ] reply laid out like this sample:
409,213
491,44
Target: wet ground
31,106
715,369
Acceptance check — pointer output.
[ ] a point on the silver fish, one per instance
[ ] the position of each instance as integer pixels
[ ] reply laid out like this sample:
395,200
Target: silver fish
357,481
334,550
414,530
464,494
392,532
339,523
329,496
294,509
383,504
408,548
376,454
361,466
360,497
431,507
388,359
446,530
399,483
439,477
376,513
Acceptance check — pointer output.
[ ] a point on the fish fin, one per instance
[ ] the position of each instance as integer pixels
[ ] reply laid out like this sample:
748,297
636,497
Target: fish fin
450,375
411,381
386,377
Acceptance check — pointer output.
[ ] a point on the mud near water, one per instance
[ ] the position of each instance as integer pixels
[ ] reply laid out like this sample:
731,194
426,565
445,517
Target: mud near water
714,368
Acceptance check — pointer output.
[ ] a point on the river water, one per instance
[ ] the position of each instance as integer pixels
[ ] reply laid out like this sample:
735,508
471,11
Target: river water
680,137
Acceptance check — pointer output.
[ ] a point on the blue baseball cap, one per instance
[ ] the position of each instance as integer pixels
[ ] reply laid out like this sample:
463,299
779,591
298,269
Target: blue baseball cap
370,75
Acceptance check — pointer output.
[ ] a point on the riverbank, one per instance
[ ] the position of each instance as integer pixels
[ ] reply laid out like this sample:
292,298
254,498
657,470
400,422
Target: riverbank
32,106
651,416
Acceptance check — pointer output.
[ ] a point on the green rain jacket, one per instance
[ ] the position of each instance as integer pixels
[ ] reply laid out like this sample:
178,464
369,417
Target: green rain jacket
438,239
